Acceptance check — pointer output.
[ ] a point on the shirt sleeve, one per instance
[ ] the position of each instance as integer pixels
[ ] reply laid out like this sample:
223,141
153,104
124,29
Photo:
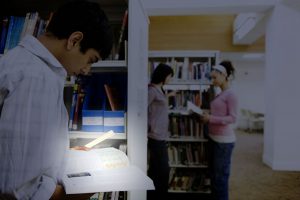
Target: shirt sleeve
151,95
33,143
41,187
6,86
230,118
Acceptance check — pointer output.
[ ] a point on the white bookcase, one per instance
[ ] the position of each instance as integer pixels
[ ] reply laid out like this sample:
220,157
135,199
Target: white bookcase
188,141
136,68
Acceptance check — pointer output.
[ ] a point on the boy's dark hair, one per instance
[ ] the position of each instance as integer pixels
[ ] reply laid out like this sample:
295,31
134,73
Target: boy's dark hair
88,18
229,67
160,73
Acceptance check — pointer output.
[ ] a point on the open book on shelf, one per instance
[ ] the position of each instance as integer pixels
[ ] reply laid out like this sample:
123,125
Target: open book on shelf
191,107
102,170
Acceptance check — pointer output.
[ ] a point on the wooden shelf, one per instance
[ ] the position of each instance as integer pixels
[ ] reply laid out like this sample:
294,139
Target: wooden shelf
187,166
187,139
189,84
110,63
180,54
183,111
189,191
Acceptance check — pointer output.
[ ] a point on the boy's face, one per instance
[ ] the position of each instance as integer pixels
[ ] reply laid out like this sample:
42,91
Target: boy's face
74,61
80,63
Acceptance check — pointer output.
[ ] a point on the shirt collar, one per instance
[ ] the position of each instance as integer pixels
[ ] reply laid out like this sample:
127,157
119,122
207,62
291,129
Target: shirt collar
37,48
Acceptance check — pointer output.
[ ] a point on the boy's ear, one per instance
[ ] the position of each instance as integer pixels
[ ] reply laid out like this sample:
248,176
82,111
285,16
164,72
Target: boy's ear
74,40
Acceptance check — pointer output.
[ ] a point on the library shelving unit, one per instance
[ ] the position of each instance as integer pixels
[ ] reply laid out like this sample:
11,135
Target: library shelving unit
133,67
102,72
187,145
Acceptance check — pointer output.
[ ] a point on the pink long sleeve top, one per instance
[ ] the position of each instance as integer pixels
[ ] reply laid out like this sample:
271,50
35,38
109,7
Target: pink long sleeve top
223,115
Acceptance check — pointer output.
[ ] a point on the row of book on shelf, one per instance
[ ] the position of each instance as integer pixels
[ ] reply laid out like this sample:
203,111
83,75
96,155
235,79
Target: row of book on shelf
194,154
186,126
186,70
200,98
189,181
119,195
99,104
14,28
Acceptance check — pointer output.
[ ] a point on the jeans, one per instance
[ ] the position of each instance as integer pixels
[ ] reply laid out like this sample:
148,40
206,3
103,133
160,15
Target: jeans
219,161
158,168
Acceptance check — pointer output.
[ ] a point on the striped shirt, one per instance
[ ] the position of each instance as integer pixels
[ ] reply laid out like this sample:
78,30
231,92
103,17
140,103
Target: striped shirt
223,114
157,114
33,121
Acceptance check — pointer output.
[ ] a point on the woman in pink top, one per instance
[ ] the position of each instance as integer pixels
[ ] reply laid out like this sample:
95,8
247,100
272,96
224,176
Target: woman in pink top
223,111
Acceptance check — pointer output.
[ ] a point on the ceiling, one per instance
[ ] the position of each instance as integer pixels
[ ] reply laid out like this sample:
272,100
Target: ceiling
209,32
199,7
113,8
220,36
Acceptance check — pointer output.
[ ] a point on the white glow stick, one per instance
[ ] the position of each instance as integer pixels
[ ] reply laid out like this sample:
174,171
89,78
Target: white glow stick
99,139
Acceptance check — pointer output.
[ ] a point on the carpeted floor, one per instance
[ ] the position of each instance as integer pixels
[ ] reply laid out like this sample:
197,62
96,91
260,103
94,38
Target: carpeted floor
251,179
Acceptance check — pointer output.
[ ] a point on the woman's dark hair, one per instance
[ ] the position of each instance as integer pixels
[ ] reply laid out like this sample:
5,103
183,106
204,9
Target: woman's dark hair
160,73
229,67
88,18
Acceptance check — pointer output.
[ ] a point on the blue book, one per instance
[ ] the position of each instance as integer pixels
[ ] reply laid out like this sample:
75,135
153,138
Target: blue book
115,121
92,120
17,31
74,99
9,33
3,34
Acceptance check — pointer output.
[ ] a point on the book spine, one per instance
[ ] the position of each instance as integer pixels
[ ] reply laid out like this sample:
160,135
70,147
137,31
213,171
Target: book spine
18,31
77,123
9,33
3,34
124,22
25,26
13,33
41,27
32,23
76,111
74,99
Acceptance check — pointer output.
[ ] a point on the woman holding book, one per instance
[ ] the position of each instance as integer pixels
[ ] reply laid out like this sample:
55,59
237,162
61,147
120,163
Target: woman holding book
221,135
158,131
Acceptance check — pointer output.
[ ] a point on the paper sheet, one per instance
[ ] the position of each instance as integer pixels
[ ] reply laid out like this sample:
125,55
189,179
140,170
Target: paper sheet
121,179
95,159
102,170
193,108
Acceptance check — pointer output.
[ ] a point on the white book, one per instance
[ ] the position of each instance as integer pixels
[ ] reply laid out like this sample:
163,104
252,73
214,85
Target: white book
191,107
102,170
25,26
31,23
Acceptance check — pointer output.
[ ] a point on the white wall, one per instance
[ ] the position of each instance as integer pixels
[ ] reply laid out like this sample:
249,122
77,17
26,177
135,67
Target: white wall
249,82
282,138
249,85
